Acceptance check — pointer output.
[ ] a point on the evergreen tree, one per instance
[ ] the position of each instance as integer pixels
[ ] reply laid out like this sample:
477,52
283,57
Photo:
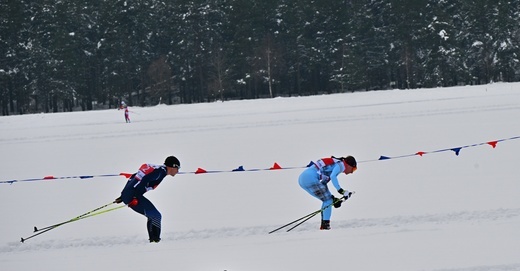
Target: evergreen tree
65,55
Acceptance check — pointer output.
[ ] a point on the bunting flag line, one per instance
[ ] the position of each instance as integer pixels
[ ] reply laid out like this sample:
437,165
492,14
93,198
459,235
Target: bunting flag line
50,177
276,166
456,150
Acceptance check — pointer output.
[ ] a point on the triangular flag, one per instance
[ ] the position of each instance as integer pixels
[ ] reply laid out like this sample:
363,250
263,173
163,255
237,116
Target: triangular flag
276,166
493,143
456,150
127,175
384,157
240,168
420,153
310,164
48,177
200,170
86,177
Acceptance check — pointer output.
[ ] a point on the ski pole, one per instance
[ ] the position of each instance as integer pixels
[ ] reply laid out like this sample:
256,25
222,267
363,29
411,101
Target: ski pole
317,212
290,223
83,216
73,219
46,229
309,216
342,199
303,221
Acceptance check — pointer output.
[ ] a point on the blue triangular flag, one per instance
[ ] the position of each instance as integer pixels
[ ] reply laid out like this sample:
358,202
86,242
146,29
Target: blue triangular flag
384,157
85,177
240,168
456,150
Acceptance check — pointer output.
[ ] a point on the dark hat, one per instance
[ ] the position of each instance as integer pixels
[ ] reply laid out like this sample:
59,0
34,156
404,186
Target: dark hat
351,161
172,161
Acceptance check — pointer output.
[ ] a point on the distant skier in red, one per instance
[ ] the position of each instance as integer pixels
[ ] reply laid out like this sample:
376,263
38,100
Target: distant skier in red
127,115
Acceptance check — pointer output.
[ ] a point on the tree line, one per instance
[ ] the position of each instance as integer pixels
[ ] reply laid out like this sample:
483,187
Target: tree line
88,54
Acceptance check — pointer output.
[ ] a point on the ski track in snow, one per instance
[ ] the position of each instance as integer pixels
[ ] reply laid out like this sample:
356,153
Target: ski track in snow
394,223
473,238
246,123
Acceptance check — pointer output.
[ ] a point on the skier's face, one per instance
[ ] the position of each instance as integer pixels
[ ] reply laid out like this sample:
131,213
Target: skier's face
349,169
172,171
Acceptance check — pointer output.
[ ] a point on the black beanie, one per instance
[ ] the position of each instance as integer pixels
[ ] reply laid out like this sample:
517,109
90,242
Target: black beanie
351,161
172,161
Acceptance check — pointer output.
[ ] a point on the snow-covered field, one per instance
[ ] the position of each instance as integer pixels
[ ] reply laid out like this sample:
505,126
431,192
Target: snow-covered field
435,212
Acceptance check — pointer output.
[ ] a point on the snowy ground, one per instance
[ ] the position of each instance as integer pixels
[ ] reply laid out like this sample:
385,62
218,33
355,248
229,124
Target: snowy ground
436,212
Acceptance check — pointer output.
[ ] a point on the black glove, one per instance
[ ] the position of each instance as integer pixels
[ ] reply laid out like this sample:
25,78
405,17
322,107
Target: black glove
118,200
337,202
346,194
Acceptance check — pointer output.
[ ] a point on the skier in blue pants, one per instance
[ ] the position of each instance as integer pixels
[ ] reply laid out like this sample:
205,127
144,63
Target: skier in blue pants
147,178
315,178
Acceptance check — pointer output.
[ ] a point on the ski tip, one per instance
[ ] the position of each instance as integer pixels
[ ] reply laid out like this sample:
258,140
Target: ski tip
22,240
35,229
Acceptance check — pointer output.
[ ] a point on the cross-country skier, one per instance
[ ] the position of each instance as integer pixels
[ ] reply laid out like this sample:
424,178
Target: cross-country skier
315,178
127,115
147,178
127,112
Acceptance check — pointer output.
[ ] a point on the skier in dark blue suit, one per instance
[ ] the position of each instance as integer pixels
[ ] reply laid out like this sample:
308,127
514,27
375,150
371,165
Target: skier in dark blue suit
147,178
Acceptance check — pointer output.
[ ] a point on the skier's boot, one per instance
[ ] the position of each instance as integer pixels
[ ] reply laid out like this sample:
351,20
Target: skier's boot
325,225
154,232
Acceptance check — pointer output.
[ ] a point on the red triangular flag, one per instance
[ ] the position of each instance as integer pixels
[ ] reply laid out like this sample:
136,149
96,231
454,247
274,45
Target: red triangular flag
420,153
127,175
275,166
200,170
48,177
493,143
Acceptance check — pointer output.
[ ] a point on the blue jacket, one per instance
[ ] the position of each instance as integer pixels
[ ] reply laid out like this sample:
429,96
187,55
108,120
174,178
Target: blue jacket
329,169
147,178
